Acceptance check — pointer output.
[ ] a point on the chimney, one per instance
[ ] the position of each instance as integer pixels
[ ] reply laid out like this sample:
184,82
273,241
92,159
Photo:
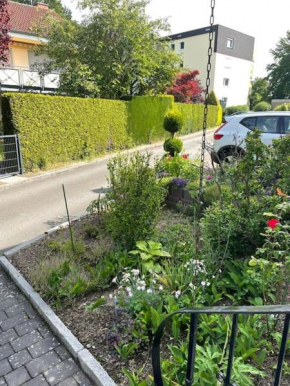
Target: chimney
41,5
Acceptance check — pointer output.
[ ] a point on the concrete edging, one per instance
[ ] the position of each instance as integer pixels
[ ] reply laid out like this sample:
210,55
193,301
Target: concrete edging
89,365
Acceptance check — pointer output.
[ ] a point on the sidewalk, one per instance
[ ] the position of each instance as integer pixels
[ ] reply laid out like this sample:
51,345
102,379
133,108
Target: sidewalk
30,354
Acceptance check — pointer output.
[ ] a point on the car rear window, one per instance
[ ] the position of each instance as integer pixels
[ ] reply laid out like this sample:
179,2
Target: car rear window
249,123
287,125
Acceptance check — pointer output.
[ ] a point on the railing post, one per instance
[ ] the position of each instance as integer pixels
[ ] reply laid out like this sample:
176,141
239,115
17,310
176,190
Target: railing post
282,351
21,167
231,351
191,349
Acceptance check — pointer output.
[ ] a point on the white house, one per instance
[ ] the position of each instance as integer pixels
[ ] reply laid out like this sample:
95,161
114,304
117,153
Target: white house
232,60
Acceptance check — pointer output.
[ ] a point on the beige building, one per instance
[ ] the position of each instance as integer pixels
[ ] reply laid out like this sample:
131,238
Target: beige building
232,60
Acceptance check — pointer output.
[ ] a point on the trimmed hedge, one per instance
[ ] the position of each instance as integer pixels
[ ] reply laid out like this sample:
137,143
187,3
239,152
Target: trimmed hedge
193,117
57,129
146,117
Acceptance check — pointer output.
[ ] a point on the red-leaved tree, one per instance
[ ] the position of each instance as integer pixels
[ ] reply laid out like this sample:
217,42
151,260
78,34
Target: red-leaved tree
4,32
187,88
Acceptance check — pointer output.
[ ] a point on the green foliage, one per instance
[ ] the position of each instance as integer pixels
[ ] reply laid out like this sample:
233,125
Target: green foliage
173,122
212,99
283,107
233,109
126,350
178,166
193,116
96,304
259,92
135,197
262,106
278,71
57,129
91,231
150,253
117,51
173,146
146,116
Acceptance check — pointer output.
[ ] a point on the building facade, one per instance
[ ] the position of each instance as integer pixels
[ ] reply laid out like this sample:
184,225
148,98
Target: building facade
232,60
21,72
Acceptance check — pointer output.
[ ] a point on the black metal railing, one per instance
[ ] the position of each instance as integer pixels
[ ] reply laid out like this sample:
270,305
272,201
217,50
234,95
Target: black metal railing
235,311
10,156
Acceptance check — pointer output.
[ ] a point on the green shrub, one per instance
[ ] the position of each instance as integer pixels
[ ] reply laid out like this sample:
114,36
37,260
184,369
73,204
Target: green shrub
173,121
212,193
262,106
283,107
212,99
173,146
233,109
135,197
56,129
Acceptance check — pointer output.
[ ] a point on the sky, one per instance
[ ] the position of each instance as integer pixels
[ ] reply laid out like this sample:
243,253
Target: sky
266,20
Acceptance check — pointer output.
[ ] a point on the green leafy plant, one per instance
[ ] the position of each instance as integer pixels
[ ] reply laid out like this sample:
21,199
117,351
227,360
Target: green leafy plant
173,146
150,254
126,350
96,304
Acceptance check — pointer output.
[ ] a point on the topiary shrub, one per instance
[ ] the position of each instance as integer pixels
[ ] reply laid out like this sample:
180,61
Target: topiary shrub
262,106
173,146
283,107
173,121
234,109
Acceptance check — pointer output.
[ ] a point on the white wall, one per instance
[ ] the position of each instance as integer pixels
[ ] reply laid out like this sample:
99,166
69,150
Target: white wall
239,72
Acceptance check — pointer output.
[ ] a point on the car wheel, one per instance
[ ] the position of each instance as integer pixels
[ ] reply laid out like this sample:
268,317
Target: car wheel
230,156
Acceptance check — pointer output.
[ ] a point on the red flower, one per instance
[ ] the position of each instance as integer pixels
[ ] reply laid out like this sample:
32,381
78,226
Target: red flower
273,223
185,156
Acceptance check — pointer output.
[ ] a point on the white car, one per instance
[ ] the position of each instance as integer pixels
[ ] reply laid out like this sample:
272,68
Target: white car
229,139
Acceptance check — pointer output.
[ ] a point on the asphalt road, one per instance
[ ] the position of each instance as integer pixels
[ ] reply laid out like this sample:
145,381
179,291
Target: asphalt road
29,209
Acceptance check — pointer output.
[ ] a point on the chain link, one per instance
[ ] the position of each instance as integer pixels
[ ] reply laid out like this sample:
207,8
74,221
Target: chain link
209,66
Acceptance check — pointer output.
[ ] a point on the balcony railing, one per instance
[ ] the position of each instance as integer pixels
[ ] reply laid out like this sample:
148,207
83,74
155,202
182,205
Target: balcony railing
235,311
25,78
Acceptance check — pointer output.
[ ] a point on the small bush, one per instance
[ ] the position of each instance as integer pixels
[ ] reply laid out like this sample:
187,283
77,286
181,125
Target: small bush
212,194
135,197
283,107
262,106
92,231
173,121
234,109
212,99
173,146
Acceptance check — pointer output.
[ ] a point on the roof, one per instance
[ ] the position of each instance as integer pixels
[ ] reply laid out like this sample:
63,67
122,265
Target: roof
201,31
24,17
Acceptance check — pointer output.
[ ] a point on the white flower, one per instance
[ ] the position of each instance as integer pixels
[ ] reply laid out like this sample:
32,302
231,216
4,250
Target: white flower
135,272
177,294
111,296
149,291
153,281
128,289
213,277
203,283
208,283
143,288
126,276
161,288
115,280
142,282
190,285
139,288
130,294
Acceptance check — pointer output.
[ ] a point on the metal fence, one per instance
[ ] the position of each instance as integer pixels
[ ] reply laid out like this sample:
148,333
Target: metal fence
10,156
235,311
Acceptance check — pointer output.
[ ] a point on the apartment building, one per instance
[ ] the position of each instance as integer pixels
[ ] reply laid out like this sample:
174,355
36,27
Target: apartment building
232,60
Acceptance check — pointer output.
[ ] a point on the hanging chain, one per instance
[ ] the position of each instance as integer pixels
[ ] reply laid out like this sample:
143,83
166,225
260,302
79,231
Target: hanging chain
209,65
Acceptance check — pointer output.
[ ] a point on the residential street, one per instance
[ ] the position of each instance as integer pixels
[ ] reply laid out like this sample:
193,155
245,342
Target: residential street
31,208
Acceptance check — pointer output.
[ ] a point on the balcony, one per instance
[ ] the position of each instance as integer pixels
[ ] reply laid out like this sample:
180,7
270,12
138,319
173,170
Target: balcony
17,78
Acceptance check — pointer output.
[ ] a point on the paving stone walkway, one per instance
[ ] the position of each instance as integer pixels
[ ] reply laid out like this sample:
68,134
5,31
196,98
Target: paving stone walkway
30,354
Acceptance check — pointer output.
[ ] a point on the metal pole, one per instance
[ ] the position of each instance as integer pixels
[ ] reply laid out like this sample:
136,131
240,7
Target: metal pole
191,350
282,351
231,351
69,223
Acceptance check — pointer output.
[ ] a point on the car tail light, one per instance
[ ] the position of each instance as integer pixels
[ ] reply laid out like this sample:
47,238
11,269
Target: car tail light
216,135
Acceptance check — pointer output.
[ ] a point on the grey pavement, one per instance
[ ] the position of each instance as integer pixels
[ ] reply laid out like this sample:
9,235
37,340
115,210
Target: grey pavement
30,354
31,208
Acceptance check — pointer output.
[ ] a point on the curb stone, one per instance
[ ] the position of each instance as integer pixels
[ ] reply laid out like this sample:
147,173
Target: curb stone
89,365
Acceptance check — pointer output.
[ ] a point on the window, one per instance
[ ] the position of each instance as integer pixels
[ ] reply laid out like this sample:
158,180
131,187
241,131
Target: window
230,43
268,124
182,45
226,81
224,102
249,123
173,46
287,125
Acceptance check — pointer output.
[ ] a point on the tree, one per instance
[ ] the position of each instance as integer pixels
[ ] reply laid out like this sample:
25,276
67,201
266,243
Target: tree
279,71
4,36
259,92
53,4
187,88
116,52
